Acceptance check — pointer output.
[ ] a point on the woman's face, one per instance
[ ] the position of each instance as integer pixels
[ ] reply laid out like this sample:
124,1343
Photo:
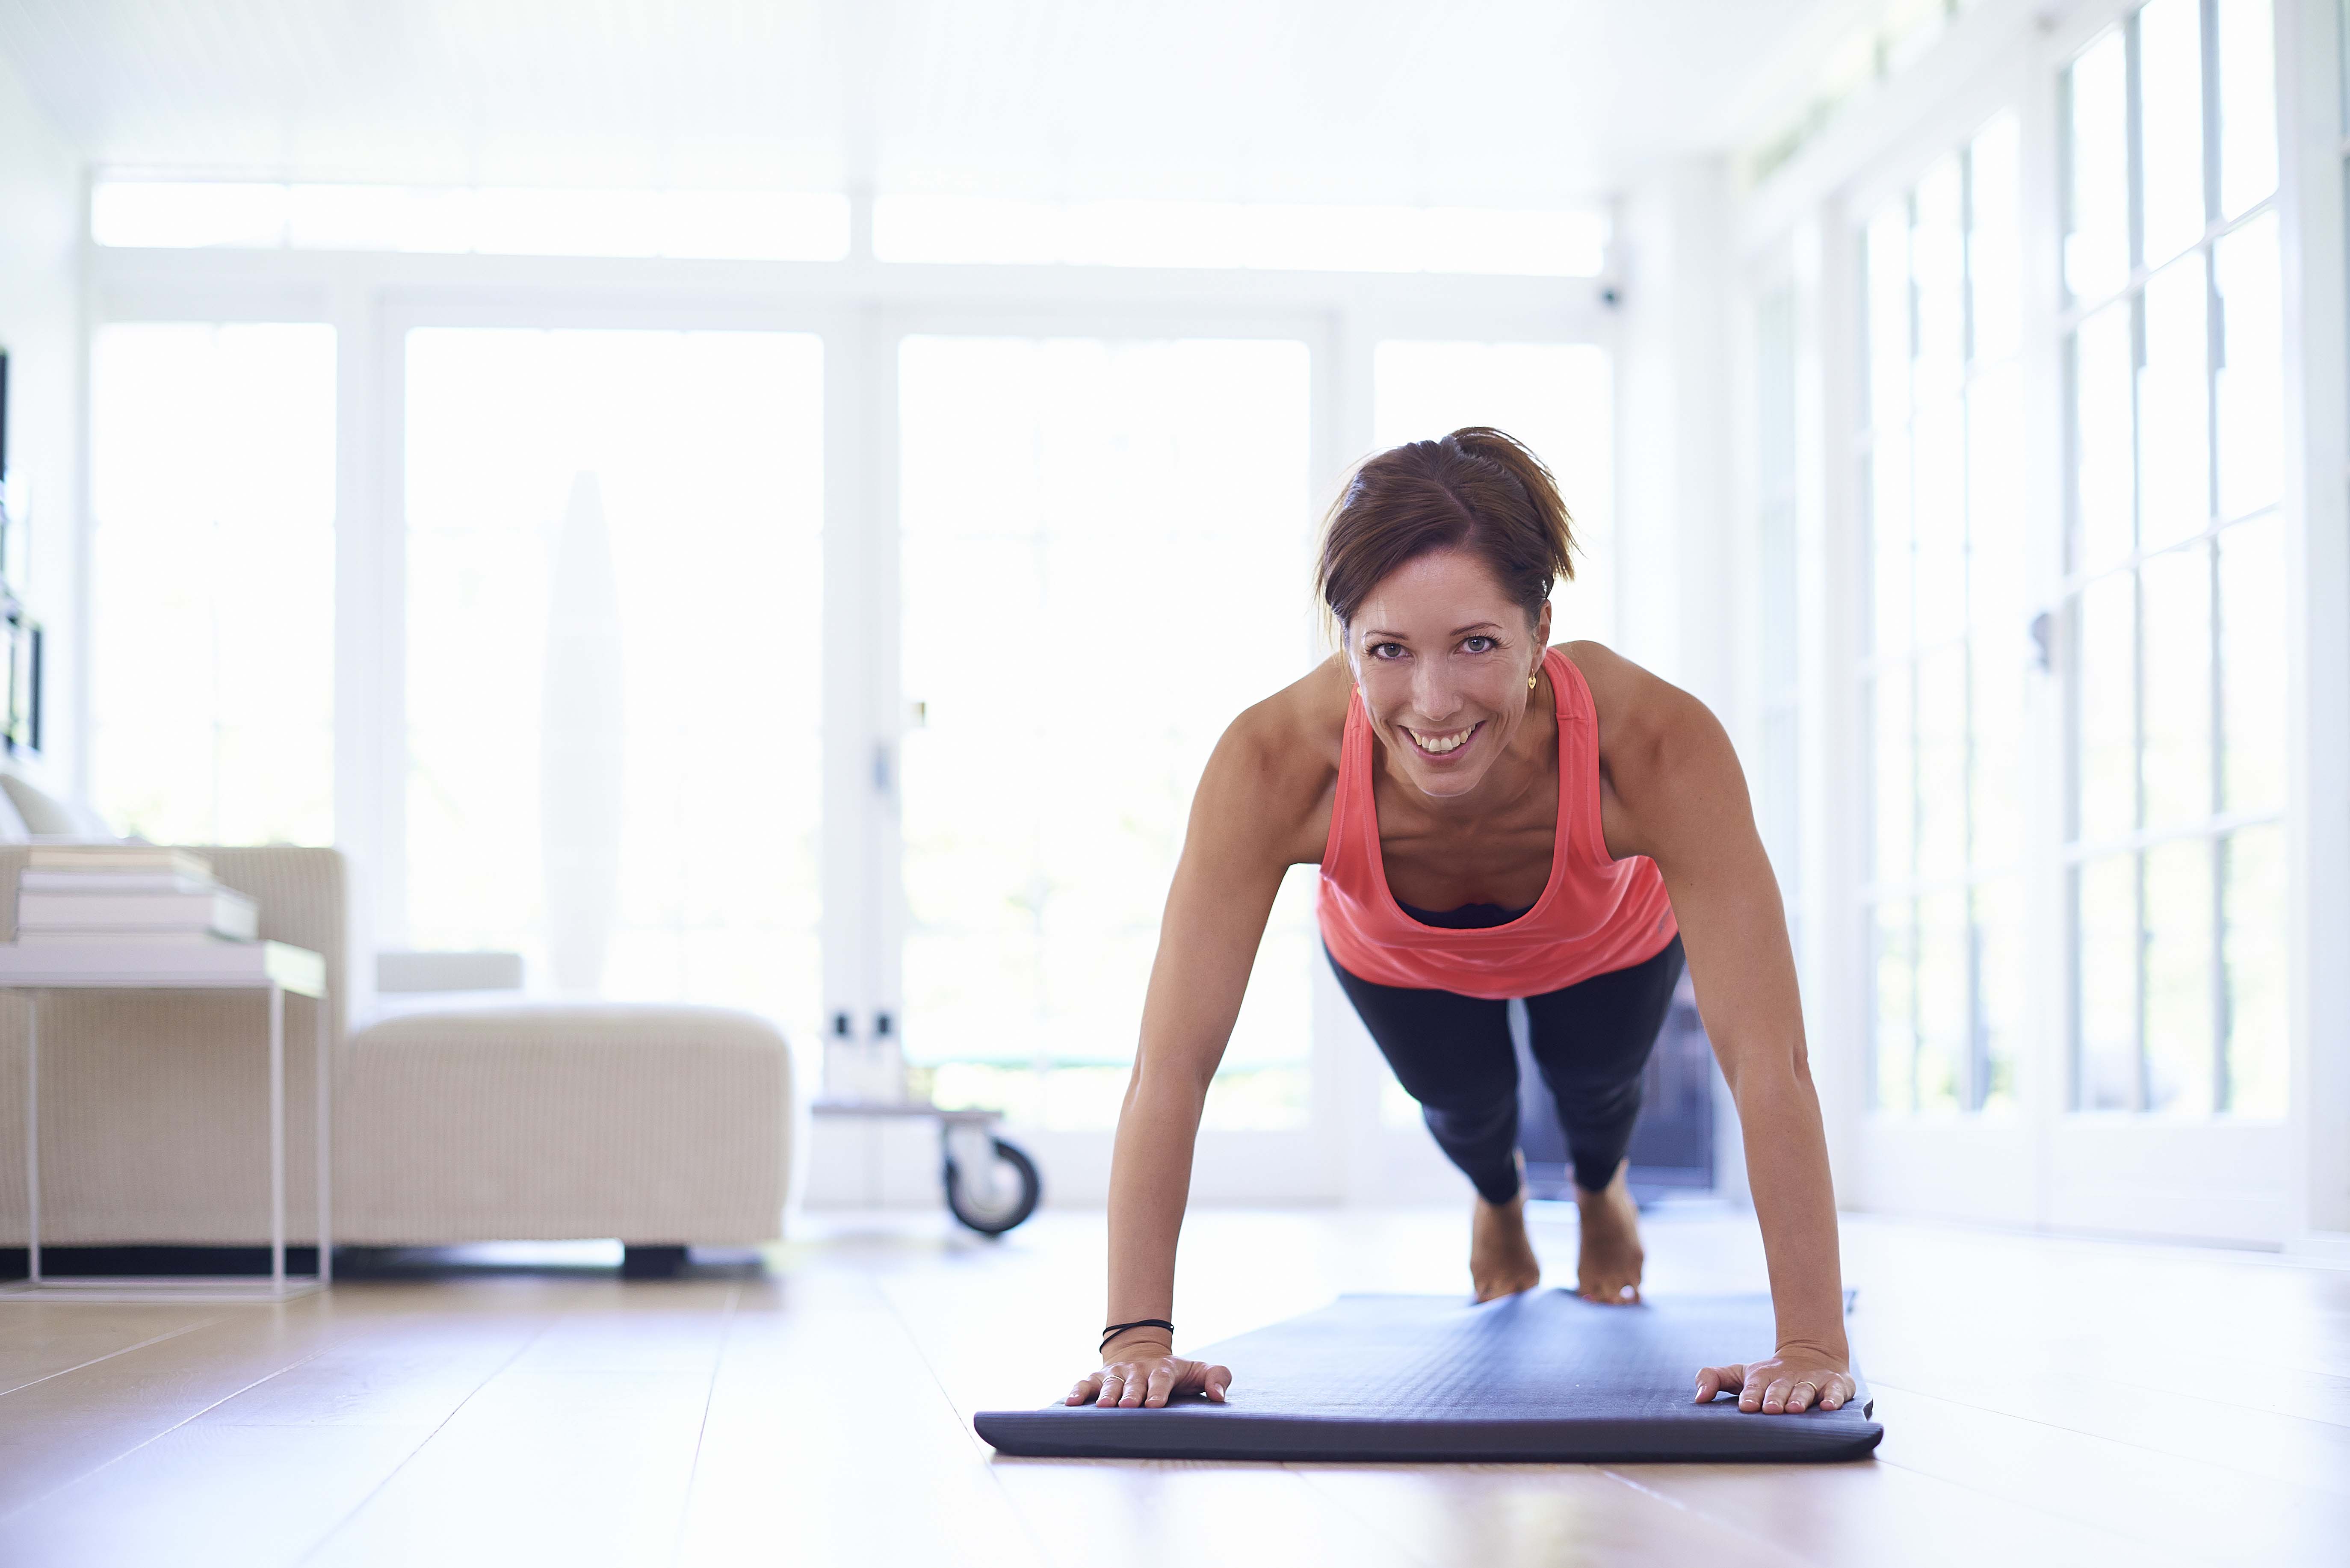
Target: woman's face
1442,656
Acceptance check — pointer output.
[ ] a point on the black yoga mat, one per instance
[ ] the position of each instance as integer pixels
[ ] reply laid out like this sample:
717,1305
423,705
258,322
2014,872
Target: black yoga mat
1541,1376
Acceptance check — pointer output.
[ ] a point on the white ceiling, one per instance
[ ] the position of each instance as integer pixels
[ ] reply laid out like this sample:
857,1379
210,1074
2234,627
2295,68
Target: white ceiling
1482,101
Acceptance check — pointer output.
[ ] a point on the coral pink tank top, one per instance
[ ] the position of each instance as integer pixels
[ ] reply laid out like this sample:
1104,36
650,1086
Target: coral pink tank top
1594,916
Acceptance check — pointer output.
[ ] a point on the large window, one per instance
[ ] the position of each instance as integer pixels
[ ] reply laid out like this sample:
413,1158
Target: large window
1105,556
1948,647
648,673
2174,564
614,653
212,582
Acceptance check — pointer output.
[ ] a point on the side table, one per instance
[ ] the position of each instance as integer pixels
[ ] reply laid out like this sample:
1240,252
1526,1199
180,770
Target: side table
275,967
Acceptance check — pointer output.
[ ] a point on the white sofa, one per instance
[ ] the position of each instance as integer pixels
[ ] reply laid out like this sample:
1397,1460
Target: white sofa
659,1125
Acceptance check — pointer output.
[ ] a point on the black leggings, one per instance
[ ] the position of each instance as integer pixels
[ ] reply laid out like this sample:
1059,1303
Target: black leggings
1590,1038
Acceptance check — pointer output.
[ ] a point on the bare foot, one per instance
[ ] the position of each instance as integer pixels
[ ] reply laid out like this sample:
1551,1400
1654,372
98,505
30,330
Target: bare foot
1502,1261
1609,1267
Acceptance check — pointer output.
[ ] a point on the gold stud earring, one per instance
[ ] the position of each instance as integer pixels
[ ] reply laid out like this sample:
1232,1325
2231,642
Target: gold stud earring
1530,682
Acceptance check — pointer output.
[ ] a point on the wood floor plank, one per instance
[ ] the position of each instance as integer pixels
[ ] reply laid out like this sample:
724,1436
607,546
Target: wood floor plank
40,1339
40,1457
666,1327
828,1416
1500,1516
822,1415
77,1422
1876,1515
578,1468
2179,1423
1100,1513
171,1501
174,1378
2160,1500
416,1370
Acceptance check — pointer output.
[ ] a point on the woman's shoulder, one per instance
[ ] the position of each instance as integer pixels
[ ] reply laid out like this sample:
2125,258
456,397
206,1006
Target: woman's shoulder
1277,764
1635,708
1297,731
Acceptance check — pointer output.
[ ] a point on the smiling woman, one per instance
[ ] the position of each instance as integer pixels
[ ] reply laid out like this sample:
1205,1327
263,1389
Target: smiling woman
1495,819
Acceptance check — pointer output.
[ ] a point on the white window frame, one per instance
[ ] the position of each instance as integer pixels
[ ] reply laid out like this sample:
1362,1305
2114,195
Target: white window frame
860,309
2218,1177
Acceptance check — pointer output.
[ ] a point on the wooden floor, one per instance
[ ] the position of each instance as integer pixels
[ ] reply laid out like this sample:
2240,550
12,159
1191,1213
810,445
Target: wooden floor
2043,1401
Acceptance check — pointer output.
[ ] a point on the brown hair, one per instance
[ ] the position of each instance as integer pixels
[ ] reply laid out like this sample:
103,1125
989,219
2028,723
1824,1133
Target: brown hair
1476,490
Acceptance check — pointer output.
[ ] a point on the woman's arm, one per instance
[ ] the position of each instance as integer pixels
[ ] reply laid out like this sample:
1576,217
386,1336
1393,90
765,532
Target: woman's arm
1240,843
1679,798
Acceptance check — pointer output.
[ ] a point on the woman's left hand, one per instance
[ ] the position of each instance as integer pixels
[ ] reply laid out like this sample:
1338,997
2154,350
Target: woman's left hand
1788,1383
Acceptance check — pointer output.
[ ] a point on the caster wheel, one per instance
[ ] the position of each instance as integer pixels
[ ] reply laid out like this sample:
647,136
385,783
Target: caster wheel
993,1200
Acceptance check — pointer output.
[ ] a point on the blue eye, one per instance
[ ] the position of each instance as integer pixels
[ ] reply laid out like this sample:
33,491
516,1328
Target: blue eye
1479,645
1379,650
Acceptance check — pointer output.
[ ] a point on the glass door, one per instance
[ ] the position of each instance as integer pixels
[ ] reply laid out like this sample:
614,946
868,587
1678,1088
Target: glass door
1104,556
2174,576
614,642
212,573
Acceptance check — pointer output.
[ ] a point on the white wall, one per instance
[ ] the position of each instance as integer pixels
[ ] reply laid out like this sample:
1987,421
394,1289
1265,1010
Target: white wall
40,325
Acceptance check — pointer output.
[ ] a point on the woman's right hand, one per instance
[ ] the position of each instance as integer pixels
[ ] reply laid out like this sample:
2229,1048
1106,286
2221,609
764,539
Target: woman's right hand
1141,1371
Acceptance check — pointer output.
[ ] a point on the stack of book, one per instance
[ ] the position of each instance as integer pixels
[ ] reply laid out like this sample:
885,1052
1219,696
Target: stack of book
92,894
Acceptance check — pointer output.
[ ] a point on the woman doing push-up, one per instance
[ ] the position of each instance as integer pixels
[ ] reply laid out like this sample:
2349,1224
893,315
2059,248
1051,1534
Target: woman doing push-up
1495,818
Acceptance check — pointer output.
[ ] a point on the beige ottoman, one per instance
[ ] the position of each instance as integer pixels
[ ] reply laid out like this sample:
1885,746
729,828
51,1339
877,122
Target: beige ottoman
661,1126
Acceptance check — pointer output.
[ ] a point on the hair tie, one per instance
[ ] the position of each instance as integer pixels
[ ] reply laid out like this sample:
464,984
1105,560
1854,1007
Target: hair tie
1114,1330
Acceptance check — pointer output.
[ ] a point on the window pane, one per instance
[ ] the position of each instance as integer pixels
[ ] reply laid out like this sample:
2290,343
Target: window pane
2248,149
1558,399
2175,474
1897,1005
2000,1001
1937,265
1993,246
2178,1018
2106,946
1034,893
2252,374
2171,84
613,546
2251,665
1889,317
2175,596
1942,762
1896,802
1943,1024
1939,489
2105,693
213,499
1996,696
1995,546
2096,241
1888,541
2253,909
2104,445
